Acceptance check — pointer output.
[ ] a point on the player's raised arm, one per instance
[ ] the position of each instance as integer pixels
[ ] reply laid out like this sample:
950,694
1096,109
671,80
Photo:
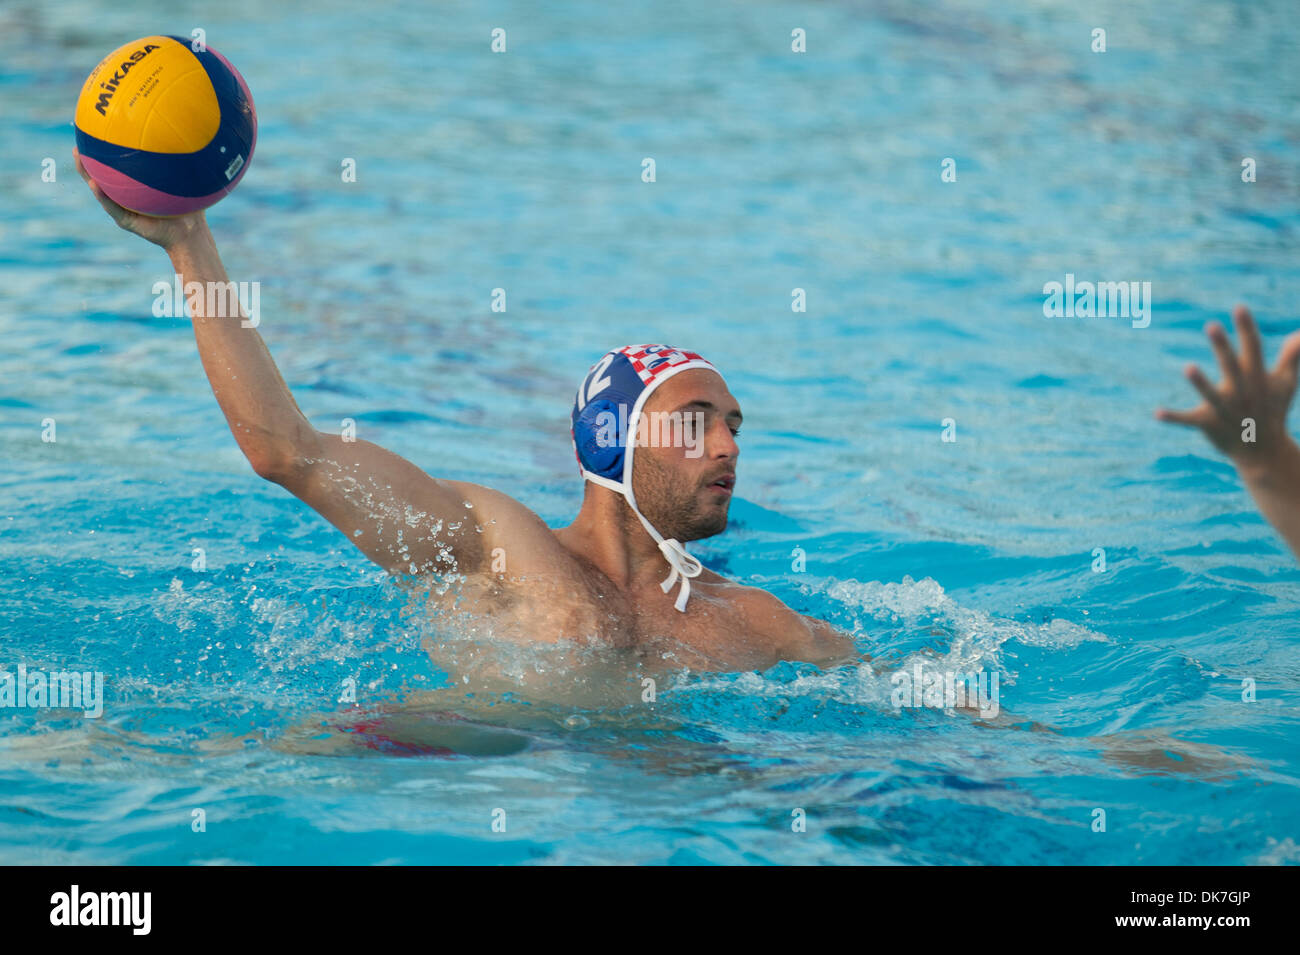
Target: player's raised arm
1245,418
400,517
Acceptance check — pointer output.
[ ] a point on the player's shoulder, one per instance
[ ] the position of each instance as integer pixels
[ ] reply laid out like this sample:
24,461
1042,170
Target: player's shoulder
763,612
490,499
755,603
499,516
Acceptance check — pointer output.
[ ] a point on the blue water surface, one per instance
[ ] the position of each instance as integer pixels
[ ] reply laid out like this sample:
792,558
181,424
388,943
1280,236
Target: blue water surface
775,171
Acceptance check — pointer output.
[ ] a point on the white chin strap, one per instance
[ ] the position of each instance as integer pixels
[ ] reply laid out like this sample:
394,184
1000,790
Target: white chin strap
684,565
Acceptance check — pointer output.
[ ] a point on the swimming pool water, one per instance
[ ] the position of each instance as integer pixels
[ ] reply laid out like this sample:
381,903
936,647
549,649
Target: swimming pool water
774,171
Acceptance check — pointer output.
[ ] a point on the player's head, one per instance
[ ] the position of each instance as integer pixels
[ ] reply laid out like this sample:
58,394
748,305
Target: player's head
657,425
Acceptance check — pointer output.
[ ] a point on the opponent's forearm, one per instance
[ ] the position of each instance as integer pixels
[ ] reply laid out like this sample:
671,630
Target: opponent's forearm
1275,486
262,414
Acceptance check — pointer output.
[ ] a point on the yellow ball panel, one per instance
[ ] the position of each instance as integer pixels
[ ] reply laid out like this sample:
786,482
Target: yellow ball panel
151,94
175,125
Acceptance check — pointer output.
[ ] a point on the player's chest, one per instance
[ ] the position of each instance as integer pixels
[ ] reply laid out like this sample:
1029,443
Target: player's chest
574,604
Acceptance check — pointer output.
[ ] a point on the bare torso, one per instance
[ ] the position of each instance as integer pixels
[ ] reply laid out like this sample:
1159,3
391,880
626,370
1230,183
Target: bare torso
550,595
520,581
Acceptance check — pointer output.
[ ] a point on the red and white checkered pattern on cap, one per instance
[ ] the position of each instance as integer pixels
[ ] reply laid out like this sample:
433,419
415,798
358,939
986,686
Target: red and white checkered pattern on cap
649,361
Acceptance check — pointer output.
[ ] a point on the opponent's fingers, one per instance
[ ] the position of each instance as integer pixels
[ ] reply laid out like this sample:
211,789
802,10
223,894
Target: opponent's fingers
1252,349
1288,360
1198,417
1218,336
1207,390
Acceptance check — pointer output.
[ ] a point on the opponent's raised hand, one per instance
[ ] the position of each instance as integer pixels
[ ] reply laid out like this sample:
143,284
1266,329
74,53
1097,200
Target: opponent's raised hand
1250,402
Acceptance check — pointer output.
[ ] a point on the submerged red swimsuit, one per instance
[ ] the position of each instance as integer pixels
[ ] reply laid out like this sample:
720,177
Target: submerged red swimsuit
370,738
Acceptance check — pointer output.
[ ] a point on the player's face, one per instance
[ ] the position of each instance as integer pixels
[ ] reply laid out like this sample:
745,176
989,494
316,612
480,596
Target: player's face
684,468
